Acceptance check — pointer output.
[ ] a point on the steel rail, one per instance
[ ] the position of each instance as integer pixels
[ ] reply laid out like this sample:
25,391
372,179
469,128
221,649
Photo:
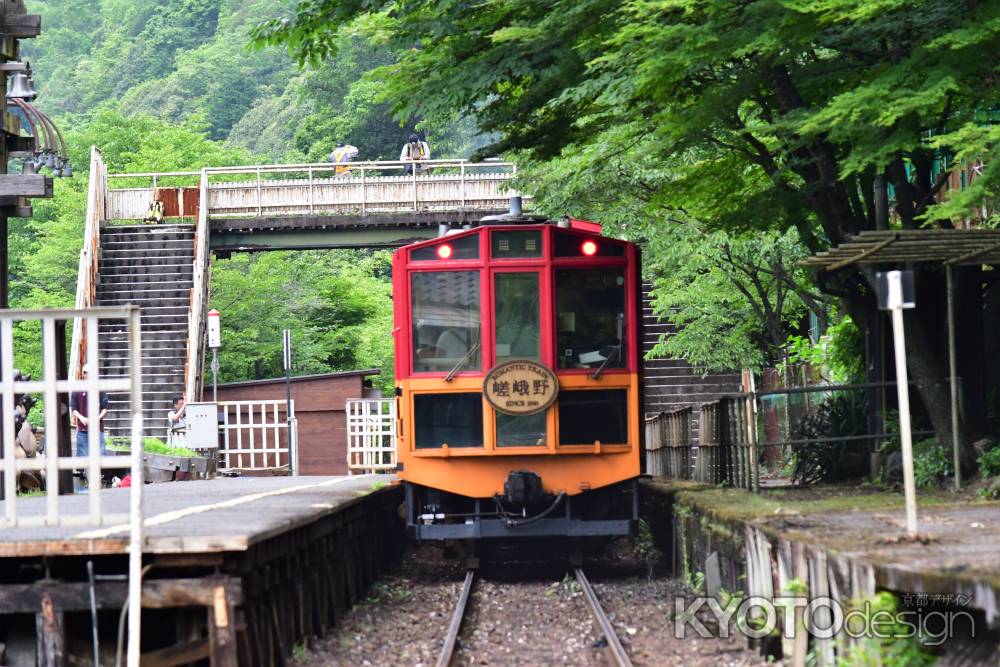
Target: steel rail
616,652
448,650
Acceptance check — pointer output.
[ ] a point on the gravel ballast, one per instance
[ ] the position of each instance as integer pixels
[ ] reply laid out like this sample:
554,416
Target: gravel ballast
518,615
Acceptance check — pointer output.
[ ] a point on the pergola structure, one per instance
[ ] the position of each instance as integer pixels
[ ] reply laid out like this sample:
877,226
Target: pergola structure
894,248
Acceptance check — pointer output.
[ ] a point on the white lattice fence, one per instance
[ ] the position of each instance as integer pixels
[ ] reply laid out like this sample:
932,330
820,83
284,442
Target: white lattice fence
257,435
371,435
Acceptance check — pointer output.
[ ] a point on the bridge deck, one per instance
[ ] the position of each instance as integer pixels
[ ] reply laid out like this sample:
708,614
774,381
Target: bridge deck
211,516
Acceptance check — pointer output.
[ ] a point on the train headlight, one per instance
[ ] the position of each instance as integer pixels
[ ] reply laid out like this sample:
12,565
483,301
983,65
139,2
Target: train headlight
445,251
588,248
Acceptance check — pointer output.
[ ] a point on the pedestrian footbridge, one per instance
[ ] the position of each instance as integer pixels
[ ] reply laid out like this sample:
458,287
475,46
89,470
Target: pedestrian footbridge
163,266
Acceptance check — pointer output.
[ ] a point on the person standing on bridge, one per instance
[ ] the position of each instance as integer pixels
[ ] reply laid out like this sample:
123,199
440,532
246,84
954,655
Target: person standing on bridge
413,151
341,156
78,408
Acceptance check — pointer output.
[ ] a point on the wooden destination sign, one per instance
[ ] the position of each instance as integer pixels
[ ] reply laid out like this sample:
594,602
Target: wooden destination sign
520,387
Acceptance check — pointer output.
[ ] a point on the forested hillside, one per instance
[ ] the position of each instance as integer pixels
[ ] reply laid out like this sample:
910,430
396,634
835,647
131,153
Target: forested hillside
175,85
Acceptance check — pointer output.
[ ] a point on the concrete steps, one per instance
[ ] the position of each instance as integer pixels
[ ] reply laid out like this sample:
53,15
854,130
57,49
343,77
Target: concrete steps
150,266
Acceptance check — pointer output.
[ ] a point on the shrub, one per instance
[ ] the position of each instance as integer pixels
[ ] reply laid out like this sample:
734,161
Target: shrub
989,463
827,459
931,462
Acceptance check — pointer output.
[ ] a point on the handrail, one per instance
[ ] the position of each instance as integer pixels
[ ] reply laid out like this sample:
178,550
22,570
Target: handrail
199,296
316,166
90,253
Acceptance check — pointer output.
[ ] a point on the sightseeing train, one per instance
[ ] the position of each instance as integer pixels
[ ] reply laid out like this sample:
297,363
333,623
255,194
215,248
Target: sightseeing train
518,363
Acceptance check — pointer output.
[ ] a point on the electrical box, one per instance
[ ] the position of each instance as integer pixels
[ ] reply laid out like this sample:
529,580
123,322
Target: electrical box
203,421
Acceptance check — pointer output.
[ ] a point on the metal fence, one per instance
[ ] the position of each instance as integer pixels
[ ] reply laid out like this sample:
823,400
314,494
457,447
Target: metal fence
57,462
258,436
371,435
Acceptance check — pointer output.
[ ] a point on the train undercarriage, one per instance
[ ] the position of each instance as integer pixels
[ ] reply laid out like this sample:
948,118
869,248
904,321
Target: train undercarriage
524,510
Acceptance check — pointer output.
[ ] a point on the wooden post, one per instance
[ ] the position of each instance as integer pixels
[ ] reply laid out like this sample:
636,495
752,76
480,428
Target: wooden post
953,375
51,645
221,630
63,438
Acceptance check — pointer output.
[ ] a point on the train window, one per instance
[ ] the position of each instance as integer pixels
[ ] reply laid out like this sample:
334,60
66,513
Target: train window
446,322
590,318
521,430
575,245
517,313
455,420
464,247
508,245
589,416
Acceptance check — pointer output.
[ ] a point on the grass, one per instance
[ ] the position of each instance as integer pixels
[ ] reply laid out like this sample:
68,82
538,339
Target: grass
152,446
741,505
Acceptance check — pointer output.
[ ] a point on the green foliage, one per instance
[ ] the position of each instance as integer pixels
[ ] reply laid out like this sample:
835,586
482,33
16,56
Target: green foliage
338,306
888,641
932,462
645,547
150,446
838,354
989,463
825,458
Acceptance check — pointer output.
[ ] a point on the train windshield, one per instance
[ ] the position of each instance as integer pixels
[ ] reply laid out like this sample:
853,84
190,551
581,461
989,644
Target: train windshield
590,318
517,315
447,334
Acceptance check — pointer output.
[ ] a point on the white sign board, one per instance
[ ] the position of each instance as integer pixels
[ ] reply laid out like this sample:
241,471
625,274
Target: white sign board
214,329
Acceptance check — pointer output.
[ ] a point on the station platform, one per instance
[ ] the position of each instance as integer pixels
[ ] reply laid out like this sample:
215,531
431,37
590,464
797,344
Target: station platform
236,571
206,516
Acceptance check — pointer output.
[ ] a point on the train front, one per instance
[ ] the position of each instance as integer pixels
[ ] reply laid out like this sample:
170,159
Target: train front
517,366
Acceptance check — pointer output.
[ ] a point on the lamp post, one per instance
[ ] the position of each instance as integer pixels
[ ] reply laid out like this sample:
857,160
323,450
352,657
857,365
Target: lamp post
895,290
215,342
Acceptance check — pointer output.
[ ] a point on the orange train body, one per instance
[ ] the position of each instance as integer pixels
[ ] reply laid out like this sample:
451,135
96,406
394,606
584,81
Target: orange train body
518,394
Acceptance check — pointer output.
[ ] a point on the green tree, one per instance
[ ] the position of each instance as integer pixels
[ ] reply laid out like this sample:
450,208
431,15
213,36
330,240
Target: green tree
767,114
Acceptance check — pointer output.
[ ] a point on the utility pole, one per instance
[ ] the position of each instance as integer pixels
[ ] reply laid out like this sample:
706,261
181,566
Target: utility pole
293,446
215,342
896,294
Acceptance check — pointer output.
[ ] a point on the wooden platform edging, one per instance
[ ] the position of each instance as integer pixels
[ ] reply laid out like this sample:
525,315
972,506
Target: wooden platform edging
232,607
812,556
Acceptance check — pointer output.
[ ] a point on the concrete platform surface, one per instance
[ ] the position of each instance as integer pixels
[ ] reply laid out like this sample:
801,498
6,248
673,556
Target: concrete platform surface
192,517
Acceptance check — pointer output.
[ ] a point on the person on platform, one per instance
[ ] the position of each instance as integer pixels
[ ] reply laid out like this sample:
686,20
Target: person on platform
79,408
177,421
341,156
413,151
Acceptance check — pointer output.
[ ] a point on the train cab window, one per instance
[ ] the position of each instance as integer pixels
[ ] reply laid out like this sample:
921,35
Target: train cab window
455,420
589,416
590,318
464,247
510,245
447,335
576,245
517,315
521,430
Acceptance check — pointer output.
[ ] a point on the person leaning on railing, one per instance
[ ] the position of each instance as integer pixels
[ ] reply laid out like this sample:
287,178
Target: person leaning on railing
413,151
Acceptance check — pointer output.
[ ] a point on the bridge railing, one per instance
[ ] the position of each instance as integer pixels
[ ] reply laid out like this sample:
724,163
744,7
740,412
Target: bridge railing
309,189
198,311
87,275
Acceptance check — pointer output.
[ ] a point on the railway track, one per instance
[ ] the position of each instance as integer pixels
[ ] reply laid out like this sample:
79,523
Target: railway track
616,655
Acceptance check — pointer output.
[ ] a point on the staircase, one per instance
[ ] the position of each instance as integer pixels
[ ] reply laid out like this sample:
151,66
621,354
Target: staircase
150,266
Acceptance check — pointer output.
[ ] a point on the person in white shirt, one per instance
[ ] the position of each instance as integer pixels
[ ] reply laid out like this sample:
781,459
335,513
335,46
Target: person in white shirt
177,422
341,156
415,150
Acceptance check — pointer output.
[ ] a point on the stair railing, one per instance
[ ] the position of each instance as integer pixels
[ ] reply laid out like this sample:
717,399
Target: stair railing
199,299
90,255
